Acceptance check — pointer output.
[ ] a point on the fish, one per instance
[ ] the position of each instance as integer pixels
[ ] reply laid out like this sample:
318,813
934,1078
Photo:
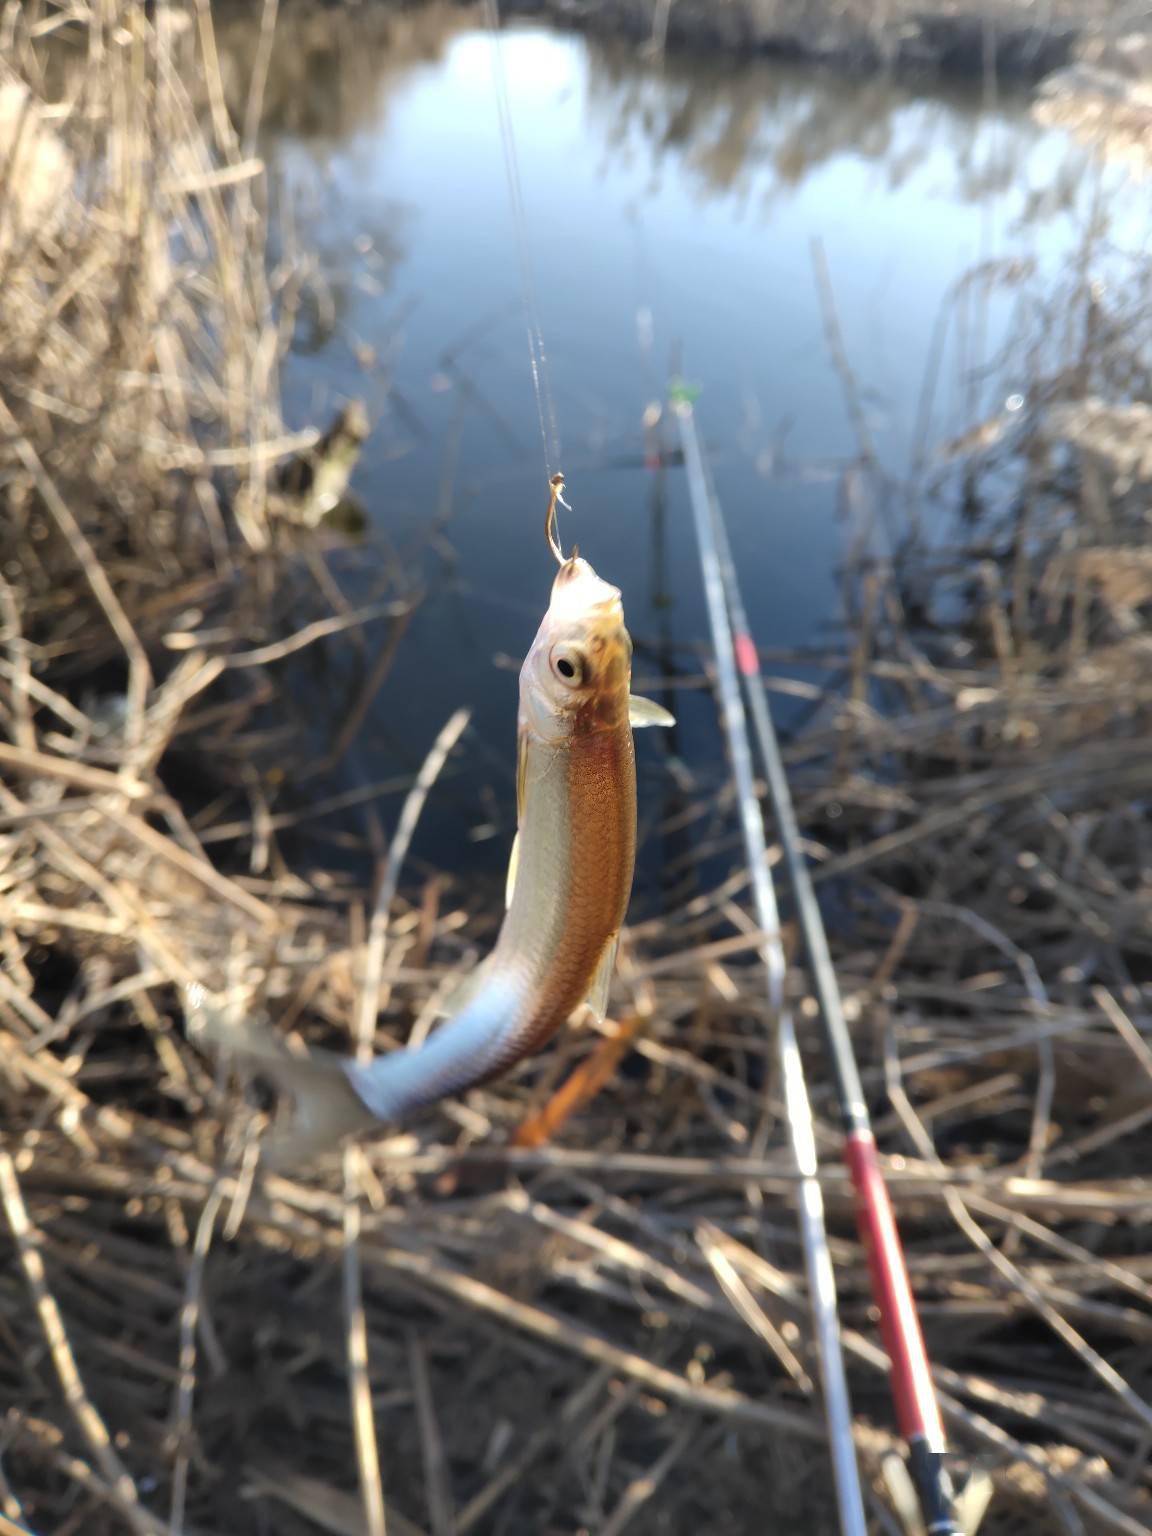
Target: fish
569,882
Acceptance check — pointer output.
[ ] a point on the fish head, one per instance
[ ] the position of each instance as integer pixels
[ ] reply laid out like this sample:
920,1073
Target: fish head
577,675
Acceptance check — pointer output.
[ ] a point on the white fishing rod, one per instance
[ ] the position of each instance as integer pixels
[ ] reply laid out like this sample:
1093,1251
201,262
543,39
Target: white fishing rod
913,1391
817,1259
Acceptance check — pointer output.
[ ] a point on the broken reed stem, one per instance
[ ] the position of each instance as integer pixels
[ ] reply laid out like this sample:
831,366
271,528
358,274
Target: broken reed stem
139,671
181,1431
1009,1271
91,1426
410,812
439,1498
359,1385
356,1348
585,1082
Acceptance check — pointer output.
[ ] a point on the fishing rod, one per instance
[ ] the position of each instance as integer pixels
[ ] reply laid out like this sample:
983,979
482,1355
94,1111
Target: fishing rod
817,1258
913,1394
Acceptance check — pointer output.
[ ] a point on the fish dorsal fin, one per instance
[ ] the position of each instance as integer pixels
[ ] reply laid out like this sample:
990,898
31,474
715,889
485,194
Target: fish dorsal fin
597,998
513,864
643,712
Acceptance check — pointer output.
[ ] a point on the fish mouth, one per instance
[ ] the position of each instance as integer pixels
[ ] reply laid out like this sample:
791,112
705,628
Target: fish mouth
585,605
588,613
578,593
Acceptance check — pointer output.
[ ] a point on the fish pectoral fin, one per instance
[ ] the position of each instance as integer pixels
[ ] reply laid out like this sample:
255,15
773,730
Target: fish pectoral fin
643,712
513,865
597,999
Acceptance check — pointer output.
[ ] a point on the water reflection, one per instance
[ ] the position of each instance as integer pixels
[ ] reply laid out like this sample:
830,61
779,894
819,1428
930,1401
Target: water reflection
332,68
333,71
756,129
671,205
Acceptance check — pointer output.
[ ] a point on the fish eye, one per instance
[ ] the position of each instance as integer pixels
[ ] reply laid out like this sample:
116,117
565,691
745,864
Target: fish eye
568,665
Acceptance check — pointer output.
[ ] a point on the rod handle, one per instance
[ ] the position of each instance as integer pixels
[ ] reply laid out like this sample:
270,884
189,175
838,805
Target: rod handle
933,1488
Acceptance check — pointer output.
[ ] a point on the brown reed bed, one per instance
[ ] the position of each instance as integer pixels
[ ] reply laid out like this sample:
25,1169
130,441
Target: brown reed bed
468,1327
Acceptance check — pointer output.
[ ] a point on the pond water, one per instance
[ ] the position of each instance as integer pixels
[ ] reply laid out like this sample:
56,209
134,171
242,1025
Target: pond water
673,210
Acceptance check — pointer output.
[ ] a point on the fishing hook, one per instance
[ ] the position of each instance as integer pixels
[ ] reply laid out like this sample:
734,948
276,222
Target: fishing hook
551,532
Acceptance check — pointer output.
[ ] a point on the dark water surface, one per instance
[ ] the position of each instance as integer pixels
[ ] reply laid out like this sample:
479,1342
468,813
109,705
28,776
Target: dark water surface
671,209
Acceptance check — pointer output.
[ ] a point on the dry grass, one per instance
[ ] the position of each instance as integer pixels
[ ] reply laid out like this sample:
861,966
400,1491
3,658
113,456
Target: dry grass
139,335
608,1332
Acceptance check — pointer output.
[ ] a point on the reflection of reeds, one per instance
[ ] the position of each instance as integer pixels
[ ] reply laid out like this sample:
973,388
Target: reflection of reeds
332,68
1119,434
1110,113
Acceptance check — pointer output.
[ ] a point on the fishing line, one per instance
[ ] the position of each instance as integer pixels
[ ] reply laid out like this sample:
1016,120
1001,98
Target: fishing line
537,357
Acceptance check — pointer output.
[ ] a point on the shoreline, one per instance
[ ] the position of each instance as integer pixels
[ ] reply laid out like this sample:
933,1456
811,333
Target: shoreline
910,37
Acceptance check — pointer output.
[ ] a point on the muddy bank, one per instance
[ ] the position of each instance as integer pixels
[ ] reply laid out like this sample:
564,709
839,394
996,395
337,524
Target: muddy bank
1020,40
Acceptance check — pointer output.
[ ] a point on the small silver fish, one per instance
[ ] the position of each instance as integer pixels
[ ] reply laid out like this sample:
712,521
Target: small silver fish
568,887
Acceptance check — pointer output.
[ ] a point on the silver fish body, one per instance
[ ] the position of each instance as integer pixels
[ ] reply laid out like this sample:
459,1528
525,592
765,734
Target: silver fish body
568,890
576,792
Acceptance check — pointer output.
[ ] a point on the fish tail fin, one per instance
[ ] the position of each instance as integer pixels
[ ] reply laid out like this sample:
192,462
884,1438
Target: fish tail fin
325,1110
318,1106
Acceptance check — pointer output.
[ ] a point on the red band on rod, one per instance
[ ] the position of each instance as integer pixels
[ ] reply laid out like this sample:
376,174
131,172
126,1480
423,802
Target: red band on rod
746,656
917,1411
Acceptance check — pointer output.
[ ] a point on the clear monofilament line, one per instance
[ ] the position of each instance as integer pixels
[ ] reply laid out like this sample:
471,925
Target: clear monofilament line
537,357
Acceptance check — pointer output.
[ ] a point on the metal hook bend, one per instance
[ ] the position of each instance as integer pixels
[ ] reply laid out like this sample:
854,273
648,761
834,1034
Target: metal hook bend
551,532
